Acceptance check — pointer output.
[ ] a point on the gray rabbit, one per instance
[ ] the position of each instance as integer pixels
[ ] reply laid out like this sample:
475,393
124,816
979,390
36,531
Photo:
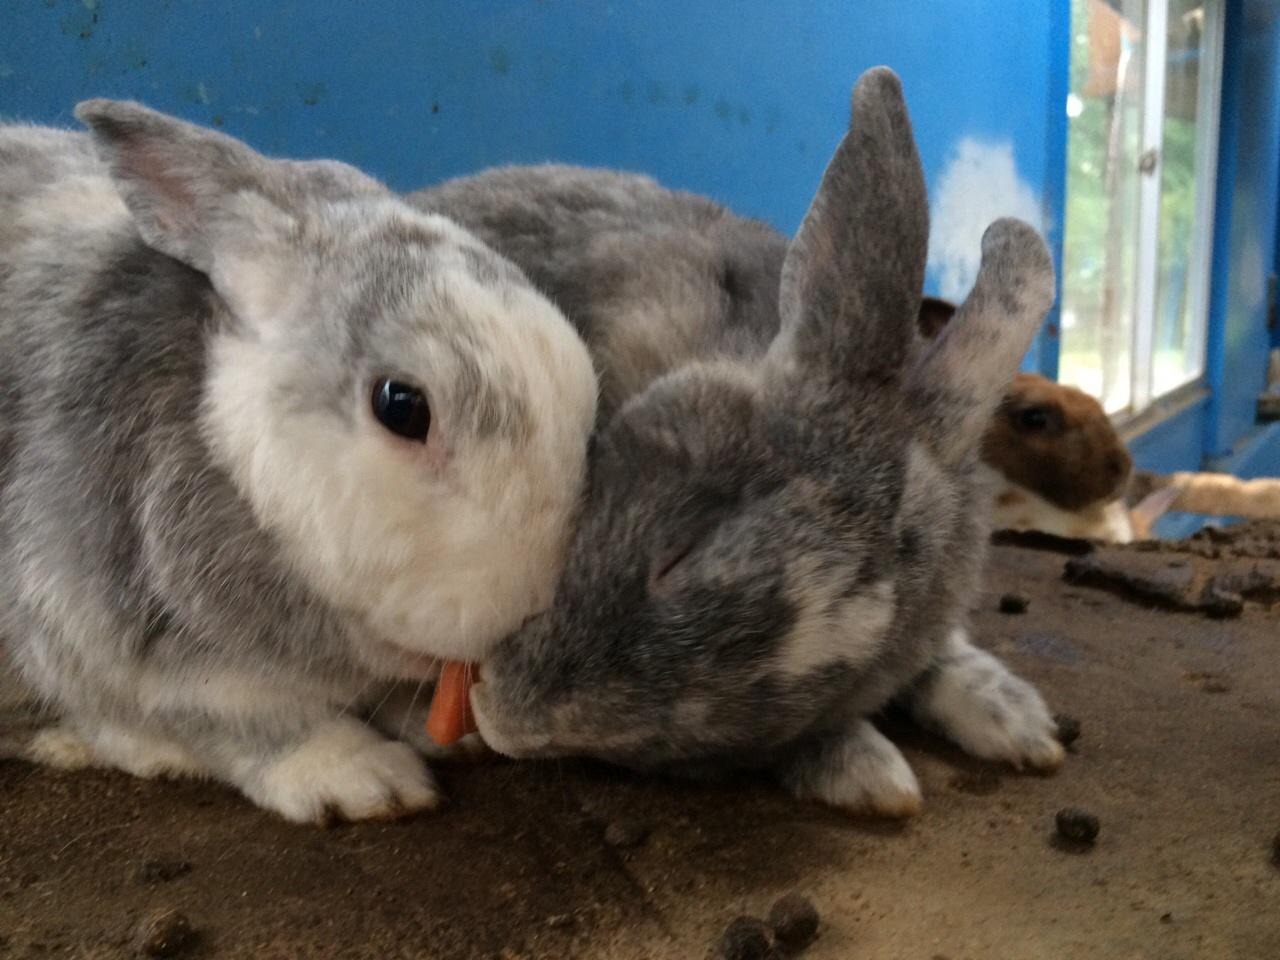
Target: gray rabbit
270,438
783,528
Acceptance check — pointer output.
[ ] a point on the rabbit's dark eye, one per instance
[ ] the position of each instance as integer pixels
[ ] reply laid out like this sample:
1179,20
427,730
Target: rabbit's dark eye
1032,418
401,408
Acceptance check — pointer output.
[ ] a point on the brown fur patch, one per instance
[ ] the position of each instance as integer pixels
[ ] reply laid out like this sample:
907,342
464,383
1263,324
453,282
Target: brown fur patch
1009,497
1058,442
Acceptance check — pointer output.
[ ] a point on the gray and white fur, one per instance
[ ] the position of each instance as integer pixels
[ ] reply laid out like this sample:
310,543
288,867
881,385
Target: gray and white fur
213,556
783,528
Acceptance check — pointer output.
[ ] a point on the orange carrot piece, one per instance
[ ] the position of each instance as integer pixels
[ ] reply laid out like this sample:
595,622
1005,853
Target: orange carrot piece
449,719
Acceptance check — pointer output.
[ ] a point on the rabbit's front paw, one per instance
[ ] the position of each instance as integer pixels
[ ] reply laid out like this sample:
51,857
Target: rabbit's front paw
140,753
61,748
345,770
975,701
862,772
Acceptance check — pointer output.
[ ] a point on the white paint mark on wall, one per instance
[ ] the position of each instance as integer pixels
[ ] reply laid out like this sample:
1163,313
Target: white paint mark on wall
979,184
1251,274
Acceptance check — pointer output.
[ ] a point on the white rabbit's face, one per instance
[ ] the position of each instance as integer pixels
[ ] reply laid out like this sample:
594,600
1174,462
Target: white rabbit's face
399,406
410,417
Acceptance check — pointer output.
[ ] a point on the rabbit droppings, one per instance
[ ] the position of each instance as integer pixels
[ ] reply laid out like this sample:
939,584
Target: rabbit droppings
783,528
269,439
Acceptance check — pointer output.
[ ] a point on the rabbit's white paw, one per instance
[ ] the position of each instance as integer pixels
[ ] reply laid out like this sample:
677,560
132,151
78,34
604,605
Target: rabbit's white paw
143,754
345,770
863,773
61,748
138,753
976,702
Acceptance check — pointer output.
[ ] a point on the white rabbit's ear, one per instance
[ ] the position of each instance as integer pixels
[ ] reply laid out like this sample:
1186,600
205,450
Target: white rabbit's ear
197,195
852,277
328,179
181,183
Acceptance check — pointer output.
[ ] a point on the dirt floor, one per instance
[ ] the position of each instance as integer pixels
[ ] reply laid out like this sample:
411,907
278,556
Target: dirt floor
1179,758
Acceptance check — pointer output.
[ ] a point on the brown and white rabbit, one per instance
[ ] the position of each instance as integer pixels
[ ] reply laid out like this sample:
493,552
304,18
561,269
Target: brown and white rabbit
1051,455
1057,463
1058,466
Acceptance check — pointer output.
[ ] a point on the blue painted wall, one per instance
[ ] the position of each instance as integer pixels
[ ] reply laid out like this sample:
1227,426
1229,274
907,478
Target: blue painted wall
1043,355
1245,232
743,101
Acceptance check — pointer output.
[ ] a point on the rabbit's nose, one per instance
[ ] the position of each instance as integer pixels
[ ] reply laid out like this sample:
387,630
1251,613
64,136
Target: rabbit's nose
499,734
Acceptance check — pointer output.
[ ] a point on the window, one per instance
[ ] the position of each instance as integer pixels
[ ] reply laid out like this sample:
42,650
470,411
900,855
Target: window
1142,141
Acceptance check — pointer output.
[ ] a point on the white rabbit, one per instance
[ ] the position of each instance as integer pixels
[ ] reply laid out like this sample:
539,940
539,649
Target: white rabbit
269,438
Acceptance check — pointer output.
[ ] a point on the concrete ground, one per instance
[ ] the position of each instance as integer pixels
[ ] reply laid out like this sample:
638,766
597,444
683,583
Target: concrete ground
1179,758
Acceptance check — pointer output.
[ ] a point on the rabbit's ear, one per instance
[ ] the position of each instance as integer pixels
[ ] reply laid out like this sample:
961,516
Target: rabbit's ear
935,313
852,276
959,380
188,189
197,195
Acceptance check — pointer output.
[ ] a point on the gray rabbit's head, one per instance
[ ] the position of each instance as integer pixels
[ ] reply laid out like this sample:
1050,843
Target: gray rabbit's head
399,406
768,549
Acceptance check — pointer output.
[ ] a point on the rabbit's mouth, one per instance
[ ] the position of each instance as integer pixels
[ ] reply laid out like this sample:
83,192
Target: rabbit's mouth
510,743
527,735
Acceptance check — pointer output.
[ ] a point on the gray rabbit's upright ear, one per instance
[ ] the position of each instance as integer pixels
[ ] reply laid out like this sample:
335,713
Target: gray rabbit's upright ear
189,190
853,274
959,380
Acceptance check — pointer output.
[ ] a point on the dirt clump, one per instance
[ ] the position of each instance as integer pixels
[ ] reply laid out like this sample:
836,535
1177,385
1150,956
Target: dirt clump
165,933
1013,603
1183,583
1077,826
745,938
794,920
1068,729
